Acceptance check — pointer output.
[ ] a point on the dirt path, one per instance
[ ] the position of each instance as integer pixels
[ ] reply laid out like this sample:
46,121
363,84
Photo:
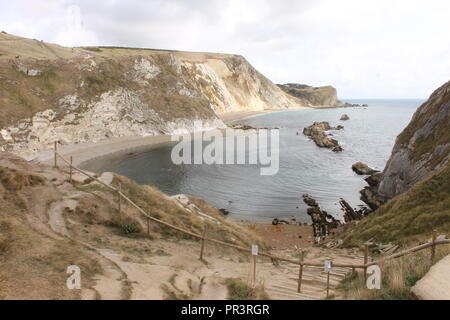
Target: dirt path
178,273
144,268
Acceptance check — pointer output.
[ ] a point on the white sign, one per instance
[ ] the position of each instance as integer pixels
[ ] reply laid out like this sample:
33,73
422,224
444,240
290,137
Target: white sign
328,265
254,249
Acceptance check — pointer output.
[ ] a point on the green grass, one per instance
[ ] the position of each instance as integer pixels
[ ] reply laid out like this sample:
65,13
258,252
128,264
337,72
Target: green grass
132,48
409,217
397,278
239,290
93,49
47,81
156,204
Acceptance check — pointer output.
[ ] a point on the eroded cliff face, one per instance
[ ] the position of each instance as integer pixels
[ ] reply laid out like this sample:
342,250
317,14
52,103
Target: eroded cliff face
422,148
49,93
316,96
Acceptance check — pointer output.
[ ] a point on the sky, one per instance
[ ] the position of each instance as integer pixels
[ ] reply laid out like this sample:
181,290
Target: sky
366,49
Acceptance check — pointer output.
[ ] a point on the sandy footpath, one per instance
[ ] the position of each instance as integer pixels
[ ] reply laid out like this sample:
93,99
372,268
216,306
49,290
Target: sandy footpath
89,152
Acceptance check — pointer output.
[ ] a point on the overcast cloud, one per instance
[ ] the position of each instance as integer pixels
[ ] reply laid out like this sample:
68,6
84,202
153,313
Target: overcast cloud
366,49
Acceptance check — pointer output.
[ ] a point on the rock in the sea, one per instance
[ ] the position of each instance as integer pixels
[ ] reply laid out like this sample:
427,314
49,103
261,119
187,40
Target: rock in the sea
277,221
310,201
370,196
351,214
337,149
322,222
345,117
362,169
374,179
317,132
225,212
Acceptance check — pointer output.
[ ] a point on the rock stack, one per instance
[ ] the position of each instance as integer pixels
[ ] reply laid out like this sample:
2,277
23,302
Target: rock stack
317,133
362,169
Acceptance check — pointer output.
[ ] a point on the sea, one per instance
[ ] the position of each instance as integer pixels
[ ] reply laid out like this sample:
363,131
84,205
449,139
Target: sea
368,137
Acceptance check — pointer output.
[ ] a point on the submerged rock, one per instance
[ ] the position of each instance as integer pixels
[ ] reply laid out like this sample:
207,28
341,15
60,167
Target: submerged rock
362,169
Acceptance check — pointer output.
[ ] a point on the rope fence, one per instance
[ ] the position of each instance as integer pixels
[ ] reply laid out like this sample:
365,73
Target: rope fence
301,262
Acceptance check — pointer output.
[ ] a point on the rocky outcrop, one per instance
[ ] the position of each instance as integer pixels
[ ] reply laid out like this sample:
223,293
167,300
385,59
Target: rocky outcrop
422,147
362,169
370,196
322,222
351,214
315,96
317,132
76,95
345,117
374,179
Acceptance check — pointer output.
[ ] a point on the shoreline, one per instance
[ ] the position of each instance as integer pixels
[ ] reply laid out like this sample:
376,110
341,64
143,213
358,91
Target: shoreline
88,153
241,115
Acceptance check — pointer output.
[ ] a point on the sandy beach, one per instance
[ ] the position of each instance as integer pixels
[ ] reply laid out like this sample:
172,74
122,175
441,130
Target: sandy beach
234,116
84,154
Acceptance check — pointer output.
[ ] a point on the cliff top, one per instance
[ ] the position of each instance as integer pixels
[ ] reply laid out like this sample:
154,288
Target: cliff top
12,46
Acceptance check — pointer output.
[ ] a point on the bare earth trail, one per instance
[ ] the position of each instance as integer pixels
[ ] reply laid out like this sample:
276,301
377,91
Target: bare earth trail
161,266
176,268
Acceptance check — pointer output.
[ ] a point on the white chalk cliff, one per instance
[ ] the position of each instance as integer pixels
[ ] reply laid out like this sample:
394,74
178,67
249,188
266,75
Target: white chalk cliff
76,95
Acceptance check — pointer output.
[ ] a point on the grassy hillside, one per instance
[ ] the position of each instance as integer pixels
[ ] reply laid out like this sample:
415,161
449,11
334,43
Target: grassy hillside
317,96
409,217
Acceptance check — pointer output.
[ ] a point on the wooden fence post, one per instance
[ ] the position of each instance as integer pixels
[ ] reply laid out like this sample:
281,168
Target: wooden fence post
300,272
366,259
203,242
70,170
433,247
56,150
